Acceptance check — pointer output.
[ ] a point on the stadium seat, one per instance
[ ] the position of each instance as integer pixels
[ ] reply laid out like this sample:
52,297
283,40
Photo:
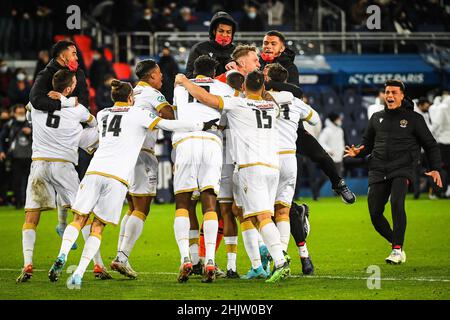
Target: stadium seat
108,54
352,102
122,70
314,100
83,42
331,101
352,134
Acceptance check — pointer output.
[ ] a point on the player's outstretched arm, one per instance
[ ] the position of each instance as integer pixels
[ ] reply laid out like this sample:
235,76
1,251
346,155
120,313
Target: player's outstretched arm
198,92
181,125
313,118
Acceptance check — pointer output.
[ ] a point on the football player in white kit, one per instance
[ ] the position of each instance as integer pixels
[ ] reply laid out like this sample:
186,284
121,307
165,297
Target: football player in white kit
292,111
56,136
198,164
102,191
144,179
254,148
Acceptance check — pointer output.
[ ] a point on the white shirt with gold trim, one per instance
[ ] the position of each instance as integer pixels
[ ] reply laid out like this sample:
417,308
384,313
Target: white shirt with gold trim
252,123
150,99
188,108
122,131
56,134
292,110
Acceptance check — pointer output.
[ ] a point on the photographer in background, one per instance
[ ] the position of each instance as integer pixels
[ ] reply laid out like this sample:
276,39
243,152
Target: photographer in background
15,143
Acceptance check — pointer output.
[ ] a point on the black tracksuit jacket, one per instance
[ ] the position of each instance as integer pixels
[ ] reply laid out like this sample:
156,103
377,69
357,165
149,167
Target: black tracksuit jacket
393,139
43,85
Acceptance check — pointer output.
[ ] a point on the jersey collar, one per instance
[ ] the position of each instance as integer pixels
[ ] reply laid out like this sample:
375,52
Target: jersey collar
144,84
121,104
254,97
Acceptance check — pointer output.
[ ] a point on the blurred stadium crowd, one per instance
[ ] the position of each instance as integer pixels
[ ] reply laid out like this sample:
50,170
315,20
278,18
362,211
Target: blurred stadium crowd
29,28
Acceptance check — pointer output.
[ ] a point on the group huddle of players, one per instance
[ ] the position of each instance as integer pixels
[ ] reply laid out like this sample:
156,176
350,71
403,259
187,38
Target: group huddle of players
234,149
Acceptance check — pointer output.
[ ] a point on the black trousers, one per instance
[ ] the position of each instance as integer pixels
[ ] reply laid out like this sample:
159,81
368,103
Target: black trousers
308,146
378,196
445,154
20,170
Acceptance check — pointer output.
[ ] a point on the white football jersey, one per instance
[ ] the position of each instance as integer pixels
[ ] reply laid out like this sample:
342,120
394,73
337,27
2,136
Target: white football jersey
56,134
122,132
292,111
148,98
253,130
189,109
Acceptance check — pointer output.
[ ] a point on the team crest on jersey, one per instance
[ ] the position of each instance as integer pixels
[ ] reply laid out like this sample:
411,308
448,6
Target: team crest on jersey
152,115
161,99
403,123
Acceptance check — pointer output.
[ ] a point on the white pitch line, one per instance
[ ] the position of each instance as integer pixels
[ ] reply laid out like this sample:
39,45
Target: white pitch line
292,276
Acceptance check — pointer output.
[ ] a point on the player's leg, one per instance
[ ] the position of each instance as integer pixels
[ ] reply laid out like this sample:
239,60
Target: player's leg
123,223
28,240
310,147
181,228
230,232
91,247
210,229
197,263
399,189
377,198
298,215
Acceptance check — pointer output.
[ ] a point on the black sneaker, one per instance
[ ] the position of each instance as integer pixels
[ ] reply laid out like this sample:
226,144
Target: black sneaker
307,266
346,194
232,274
197,269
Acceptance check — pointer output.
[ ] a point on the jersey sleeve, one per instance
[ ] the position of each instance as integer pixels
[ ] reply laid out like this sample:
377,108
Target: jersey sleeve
227,103
148,119
158,100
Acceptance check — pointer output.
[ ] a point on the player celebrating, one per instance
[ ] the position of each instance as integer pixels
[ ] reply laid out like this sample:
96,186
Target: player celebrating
103,189
198,164
254,145
56,137
143,181
292,111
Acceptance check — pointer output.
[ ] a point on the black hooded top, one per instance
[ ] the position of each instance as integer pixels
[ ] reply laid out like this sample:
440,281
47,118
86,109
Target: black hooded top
43,85
286,59
212,48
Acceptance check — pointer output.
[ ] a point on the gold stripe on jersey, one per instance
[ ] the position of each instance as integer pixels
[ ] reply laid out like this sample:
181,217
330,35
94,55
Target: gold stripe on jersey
284,204
185,190
241,166
144,84
51,160
108,176
121,104
80,213
154,123
208,187
151,151
38,209
254,214
254,97
162,105
142,194
309,115
91,117
236,93
287,152
220,102
194,137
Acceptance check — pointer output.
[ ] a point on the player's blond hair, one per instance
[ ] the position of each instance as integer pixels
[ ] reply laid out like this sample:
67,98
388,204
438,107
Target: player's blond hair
242,51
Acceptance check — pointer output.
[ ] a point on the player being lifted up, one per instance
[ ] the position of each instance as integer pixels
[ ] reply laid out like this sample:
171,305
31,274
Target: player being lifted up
103,189
254,148
198,164
56,136
292,111
144,179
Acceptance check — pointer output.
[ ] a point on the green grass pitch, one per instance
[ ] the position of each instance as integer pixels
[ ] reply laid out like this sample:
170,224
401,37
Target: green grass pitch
342,244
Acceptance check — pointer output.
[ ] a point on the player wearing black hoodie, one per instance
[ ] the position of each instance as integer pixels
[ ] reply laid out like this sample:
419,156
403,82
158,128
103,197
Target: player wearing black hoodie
219,46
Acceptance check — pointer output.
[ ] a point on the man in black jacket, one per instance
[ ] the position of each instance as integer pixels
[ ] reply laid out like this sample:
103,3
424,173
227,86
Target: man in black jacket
219,46
64,55
393,140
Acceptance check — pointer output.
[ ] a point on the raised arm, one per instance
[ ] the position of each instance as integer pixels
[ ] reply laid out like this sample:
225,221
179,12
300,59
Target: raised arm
199,93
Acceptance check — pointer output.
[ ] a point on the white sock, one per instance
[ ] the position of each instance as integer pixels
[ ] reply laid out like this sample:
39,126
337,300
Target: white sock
62,217
181,227
271,237
28,240
193,246
122,230
260,240
231,248
284,227
250,237
91,246
86,231
210,229
133,231
303,251
69,237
